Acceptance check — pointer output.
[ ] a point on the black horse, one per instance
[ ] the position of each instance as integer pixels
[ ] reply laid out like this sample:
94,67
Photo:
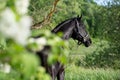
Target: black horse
71,28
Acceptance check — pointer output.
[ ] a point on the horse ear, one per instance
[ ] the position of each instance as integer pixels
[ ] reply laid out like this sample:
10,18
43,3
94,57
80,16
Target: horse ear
79,17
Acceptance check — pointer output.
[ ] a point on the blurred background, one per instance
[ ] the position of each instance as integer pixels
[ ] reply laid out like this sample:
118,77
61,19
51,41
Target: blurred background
102,19
100,61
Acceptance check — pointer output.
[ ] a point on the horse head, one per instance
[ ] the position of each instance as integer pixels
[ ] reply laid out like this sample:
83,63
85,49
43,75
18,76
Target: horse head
80,33
74,28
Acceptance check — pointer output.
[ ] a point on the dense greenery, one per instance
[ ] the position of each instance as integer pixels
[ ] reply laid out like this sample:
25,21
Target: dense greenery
107,27
102,21
18,59
101,61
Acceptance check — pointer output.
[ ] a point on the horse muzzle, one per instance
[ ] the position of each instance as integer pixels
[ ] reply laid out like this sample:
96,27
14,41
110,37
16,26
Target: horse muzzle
87,43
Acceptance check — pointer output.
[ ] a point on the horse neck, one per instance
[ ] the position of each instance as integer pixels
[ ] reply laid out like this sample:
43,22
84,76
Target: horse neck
66,28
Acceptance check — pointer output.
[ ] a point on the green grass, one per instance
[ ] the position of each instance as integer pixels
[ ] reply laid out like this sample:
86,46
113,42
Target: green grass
78,73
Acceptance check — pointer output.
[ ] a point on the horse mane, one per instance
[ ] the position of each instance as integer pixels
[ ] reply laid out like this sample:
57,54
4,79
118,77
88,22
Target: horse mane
61,24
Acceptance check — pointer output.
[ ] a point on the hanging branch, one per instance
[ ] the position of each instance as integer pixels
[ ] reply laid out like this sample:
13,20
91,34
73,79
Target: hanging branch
46,20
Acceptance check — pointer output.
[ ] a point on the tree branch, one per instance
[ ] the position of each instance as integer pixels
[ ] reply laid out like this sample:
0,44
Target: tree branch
46,20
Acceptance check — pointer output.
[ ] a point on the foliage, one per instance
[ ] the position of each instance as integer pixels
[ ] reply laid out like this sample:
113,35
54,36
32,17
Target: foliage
108,57
63,9
104,26
39,9
102,21
107,27
100,54
16,61
56,43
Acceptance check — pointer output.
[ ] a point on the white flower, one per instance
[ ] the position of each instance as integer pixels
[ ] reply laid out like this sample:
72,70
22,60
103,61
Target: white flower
21,6
41,42
24,30
38,41
8,23
17,30
5,68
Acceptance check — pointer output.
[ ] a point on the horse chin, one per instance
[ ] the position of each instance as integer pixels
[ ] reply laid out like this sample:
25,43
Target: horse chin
86,45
